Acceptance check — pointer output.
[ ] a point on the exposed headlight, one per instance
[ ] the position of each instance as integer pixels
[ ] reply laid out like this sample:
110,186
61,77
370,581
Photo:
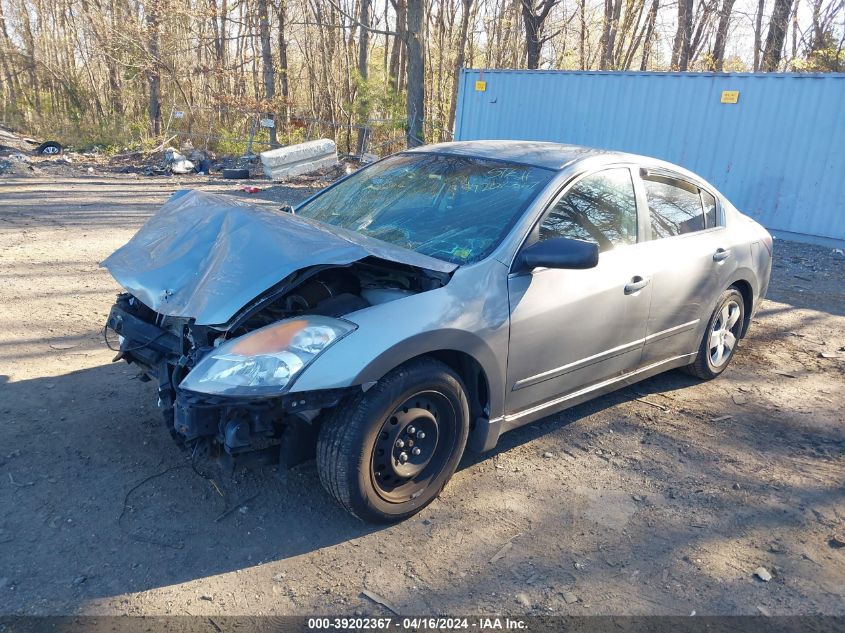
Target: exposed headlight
266,360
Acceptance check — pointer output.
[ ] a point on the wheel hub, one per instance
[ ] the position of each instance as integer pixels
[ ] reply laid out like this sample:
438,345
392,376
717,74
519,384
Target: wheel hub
412,441
724,334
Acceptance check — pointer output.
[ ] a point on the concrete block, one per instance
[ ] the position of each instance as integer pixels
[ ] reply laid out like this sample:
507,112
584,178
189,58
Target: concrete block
295,160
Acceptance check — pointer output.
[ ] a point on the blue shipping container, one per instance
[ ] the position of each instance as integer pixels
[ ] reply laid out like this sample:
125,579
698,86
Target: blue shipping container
778,152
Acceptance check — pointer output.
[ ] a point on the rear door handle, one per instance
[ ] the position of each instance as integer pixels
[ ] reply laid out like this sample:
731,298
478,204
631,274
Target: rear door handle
721,254
636,284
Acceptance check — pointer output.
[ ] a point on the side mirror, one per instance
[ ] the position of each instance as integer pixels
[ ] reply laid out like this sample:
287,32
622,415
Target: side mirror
560,252
286,208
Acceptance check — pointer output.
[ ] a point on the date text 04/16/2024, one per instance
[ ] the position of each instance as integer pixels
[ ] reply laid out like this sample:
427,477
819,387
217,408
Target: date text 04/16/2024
417,624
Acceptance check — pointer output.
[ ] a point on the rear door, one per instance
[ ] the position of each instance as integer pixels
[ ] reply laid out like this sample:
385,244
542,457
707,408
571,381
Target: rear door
571,329
690,259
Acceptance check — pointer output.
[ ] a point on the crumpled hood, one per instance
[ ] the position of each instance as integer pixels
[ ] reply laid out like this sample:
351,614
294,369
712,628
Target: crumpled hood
206,256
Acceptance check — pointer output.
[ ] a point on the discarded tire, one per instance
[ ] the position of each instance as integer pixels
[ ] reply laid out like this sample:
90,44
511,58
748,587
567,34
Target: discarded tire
50,148
236,174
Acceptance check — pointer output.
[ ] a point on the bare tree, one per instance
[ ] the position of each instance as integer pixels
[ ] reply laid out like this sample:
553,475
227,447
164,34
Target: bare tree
683,36
284,87
268,73
758,33
534,16
717,56
777,35
459,60
363,71
610,24
397,56
154,77
415,101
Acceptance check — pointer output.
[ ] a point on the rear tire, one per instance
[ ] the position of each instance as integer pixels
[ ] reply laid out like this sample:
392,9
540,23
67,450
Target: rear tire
721,336
387,453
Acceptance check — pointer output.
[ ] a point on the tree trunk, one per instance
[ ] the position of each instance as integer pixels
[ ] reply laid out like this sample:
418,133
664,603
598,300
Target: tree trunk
283,59
758,33
534,18
363,73
416,73
683,36
777,35
582,34
610,24
5,48
153,75
649,35
396,56
267,72
718,55
459,62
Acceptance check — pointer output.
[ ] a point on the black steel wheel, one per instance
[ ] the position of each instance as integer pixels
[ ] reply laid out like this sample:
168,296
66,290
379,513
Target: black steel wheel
388,452
413,446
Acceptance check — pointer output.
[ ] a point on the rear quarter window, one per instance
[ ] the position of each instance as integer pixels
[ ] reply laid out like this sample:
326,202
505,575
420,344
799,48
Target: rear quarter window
675,206
711,217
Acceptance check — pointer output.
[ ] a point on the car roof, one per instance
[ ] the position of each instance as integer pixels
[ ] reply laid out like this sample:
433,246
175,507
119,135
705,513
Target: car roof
538,153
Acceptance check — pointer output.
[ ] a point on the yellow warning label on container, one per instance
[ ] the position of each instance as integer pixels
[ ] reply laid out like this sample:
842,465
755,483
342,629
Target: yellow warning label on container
480,86
730,96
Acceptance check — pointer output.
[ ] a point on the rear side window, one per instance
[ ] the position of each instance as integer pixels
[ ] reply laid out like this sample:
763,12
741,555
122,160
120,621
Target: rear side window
675,207
600,208
710,217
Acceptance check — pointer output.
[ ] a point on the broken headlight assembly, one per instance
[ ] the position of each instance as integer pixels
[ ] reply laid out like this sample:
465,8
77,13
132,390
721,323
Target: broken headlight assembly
264,362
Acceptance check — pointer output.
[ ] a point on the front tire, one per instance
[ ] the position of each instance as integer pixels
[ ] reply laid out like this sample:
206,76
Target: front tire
387,453
721,337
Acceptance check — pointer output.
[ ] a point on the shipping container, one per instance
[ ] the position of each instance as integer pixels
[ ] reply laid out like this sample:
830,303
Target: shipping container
773,143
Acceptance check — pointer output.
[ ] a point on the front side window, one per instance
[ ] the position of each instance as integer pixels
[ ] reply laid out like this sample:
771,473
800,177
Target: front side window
674,205
454,208
600,208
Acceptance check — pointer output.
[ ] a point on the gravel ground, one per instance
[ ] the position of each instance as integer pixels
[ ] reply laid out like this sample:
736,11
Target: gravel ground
663,498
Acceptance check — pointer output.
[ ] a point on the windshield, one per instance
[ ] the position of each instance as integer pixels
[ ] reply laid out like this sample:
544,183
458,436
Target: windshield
454,208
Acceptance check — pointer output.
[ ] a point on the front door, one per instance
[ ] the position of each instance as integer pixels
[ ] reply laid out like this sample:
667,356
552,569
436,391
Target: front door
571,329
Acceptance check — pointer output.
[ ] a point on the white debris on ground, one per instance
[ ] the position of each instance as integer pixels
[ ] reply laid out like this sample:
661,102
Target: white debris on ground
295,160
177,162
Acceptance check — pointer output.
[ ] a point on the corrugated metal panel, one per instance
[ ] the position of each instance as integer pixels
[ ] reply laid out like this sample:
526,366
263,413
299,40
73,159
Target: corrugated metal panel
778,154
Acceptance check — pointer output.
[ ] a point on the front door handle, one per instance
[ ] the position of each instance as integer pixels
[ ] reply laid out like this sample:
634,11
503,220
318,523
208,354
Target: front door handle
721,254
636,284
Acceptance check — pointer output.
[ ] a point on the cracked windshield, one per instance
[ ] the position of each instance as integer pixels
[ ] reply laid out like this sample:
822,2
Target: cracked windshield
453,208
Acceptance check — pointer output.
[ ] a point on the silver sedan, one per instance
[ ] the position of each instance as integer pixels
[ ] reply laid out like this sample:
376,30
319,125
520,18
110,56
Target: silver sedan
428,303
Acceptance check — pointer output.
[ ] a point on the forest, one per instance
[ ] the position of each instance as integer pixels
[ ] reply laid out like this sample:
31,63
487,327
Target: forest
369,73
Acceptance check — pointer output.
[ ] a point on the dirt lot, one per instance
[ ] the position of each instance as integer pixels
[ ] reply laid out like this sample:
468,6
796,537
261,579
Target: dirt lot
659,499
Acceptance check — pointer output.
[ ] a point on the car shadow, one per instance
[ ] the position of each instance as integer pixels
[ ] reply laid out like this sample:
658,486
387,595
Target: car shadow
92,476
667,381
95,478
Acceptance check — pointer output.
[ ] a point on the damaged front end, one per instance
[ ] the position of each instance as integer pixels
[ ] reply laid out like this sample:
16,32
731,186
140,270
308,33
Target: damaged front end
227,386
265,428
